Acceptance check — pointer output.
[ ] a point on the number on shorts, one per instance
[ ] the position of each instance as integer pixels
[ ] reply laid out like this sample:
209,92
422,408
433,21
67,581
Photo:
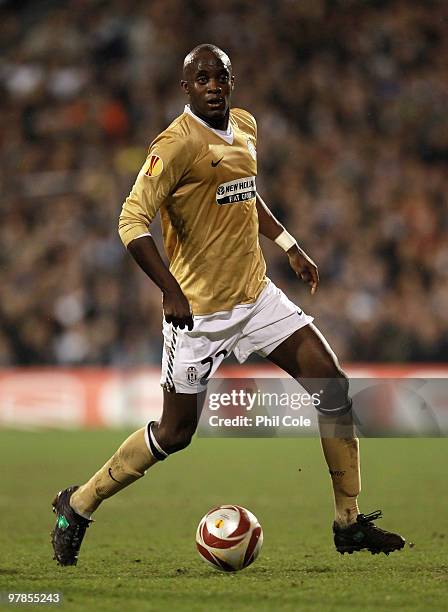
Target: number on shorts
209,361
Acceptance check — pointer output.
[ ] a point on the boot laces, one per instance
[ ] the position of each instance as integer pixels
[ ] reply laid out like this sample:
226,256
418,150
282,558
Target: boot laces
366,519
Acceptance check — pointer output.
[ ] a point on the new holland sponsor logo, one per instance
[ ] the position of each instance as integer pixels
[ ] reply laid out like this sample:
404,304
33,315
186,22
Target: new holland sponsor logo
236,191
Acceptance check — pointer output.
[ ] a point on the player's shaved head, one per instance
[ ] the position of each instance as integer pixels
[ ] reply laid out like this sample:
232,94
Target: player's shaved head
200,53
208,82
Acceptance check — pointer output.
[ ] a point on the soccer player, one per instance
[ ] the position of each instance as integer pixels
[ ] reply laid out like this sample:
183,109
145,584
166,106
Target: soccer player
201,175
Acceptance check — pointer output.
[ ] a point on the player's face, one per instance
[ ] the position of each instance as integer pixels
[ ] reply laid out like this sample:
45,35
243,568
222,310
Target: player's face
209,88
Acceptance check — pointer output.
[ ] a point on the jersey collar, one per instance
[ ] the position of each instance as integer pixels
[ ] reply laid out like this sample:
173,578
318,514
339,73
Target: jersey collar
226,135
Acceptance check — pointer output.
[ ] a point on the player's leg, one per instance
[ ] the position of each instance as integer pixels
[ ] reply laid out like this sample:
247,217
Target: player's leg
142,449
306,355
189,359
181,413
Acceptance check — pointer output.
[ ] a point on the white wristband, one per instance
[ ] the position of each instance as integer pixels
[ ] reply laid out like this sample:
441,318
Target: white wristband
285,241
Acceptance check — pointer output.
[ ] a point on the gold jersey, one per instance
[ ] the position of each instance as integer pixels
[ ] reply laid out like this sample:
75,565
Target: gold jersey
204,187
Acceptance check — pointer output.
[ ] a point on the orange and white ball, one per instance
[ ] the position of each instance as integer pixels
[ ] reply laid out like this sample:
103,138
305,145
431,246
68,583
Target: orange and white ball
229,538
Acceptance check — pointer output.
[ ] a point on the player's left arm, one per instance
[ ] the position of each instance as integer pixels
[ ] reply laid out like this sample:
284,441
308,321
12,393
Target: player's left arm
300,262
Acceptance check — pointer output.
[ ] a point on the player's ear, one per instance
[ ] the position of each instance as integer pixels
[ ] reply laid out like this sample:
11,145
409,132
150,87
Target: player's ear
184,85
232,82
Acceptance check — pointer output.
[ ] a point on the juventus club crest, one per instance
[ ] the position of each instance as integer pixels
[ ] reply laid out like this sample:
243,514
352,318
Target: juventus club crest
192,375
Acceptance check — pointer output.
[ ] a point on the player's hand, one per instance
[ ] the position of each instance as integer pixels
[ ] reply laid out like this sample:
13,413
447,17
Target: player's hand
304,267
177,309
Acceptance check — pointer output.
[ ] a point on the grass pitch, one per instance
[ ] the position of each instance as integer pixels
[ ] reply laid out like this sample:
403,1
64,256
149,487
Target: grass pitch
140,553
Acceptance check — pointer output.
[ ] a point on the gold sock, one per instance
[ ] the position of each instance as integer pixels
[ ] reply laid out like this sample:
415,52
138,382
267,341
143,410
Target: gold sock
342,457
127,465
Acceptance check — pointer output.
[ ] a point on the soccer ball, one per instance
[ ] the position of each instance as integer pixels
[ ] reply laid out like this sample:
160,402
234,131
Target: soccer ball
229,538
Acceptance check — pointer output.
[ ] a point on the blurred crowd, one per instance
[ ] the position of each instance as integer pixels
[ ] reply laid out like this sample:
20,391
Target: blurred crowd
350,98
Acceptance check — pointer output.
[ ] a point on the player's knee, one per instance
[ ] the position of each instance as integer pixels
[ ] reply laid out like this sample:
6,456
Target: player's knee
166,441
178,439
334,396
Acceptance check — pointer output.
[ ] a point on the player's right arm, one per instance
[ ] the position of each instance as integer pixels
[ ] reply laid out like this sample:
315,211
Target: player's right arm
159,175
176,308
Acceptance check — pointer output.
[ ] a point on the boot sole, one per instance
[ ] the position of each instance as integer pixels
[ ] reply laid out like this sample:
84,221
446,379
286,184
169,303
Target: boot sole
374,551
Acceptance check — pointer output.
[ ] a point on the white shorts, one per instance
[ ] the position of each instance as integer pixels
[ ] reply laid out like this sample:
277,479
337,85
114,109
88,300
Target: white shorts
190,358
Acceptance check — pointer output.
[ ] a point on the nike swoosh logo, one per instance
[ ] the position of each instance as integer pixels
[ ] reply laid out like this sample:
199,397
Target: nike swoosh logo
110,474
214,164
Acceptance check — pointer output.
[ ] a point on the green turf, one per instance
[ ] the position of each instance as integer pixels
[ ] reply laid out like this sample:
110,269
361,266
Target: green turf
140,553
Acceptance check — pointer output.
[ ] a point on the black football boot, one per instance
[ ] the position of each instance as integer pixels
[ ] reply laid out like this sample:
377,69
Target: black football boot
365,535
69,530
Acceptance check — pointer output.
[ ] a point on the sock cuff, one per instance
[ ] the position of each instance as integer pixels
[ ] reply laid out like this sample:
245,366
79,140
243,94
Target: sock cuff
154,447
338,411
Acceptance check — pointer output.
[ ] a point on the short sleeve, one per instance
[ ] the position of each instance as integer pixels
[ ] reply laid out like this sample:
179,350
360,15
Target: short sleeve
167,161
